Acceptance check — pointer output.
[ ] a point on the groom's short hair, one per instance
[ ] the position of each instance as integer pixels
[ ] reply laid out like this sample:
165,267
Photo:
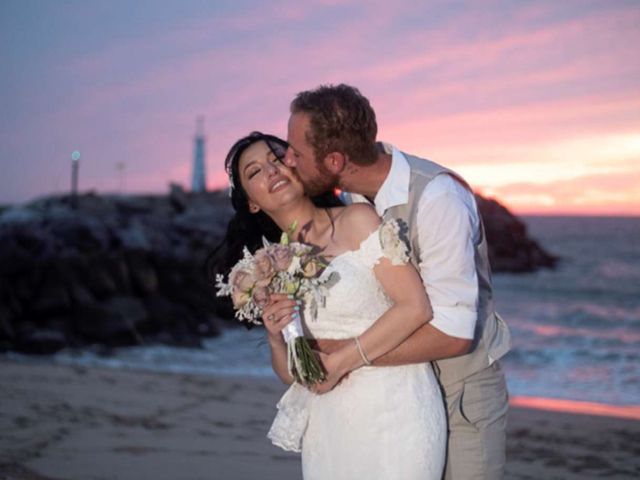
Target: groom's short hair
341,120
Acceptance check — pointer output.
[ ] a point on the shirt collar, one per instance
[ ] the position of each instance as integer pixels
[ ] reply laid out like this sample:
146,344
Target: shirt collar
395,188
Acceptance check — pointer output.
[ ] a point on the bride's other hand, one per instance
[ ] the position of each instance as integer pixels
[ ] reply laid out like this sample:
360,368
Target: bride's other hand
334,370
278,313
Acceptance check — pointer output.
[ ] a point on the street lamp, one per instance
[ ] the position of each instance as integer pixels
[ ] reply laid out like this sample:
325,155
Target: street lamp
75,164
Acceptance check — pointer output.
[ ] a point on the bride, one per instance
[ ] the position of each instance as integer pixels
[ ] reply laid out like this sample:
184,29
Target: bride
363,421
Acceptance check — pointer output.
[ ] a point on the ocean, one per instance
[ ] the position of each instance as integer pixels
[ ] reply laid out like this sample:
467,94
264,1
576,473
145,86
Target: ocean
576,329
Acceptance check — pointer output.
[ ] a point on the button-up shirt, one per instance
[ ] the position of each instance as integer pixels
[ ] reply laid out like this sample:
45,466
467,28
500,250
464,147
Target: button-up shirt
448,231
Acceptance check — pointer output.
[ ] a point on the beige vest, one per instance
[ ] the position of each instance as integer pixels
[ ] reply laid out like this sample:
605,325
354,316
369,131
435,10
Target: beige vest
492,339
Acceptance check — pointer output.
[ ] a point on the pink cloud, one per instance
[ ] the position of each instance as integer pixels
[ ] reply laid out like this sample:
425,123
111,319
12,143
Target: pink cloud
471,83
517,124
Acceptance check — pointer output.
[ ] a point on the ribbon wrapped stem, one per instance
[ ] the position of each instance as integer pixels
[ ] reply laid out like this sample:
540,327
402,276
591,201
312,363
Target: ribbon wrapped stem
303,364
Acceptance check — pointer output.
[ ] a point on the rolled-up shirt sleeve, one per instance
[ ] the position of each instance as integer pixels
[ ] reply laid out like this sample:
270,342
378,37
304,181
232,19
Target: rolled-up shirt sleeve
448,228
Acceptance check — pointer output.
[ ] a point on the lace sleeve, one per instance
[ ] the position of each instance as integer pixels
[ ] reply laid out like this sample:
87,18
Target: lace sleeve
386,241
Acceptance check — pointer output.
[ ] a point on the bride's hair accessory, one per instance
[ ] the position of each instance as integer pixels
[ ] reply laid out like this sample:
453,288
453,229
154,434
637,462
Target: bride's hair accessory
232,185
365,359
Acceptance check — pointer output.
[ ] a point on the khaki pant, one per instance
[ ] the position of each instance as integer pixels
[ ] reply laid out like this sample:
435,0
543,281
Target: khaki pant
477,408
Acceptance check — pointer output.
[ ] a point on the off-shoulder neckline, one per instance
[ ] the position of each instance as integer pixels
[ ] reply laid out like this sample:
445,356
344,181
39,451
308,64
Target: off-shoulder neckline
357,250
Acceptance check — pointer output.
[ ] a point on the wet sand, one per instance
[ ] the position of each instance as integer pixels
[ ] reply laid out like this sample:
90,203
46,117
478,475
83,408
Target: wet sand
63,422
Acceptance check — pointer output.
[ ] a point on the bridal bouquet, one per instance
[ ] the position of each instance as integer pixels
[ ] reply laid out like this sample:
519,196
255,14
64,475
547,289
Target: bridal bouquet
285,267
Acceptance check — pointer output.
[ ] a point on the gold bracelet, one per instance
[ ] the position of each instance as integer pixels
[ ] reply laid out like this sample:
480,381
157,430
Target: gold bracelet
362,354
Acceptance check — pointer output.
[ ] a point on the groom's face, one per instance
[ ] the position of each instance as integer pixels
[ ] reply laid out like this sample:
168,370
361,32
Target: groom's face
315,176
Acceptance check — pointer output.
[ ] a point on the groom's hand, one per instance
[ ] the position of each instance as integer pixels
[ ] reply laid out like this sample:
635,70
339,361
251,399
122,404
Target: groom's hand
328,346
334,374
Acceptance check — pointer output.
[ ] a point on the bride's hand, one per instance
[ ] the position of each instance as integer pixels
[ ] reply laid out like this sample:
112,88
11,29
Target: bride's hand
278,313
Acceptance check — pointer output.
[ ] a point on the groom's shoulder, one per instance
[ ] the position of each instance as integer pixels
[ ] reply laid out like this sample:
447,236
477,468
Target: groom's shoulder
422,165
429,169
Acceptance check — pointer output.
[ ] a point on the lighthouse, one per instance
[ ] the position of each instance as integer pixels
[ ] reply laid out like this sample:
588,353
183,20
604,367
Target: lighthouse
199,179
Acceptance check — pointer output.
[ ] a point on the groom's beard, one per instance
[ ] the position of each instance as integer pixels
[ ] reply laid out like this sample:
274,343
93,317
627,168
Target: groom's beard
323,182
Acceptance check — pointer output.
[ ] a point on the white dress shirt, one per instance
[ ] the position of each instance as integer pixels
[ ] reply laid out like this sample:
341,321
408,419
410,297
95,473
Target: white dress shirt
448,231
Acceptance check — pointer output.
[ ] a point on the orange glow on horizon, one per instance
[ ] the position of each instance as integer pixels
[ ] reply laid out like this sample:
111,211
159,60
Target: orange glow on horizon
576,407
524,203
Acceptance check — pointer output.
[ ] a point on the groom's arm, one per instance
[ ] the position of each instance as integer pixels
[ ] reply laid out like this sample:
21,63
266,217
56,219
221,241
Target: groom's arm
424,345
448,229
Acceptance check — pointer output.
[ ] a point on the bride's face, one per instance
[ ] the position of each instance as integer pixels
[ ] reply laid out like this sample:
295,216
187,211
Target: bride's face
269,184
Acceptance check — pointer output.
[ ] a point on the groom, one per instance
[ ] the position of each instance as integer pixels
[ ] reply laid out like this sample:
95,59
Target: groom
332,137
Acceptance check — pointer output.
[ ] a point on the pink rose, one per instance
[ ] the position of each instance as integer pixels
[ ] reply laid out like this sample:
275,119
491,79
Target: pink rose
261,296
242,282
282,256
264,269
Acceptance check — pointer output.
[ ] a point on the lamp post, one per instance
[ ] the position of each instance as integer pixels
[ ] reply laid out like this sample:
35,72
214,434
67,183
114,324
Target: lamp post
75,165
120,167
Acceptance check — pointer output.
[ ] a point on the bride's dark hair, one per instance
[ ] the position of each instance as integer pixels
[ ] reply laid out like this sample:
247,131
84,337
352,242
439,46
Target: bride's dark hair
246,228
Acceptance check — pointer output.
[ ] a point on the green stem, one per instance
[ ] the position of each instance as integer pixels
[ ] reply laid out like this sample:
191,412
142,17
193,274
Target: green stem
311,369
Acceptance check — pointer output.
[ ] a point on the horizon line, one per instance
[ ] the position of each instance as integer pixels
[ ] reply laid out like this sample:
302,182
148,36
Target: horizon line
515,211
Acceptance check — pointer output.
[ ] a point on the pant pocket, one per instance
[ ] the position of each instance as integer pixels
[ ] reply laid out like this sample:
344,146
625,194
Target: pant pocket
482,398
468,406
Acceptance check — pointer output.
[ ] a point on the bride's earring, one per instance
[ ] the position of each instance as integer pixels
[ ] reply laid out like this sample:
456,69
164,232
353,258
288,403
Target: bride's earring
253,208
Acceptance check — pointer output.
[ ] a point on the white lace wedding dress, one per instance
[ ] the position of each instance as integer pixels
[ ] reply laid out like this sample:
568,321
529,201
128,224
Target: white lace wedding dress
380,422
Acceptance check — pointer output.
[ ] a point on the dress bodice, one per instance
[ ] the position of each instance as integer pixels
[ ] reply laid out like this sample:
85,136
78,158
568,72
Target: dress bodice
356,300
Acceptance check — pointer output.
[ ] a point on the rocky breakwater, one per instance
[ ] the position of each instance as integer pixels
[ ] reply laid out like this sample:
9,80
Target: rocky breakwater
127,270
118,270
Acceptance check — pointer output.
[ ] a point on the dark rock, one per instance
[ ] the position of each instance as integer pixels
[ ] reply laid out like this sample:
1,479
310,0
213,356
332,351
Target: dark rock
41,342
129,204
143,276
178,197
98,278
24,286
119,271
21,247
6,328
510,248
178,324
165,313
85,234
52,296
134,237
115,320
208,326
80,294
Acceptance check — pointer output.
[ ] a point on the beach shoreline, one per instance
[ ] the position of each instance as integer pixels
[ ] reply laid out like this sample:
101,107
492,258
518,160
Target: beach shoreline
77,422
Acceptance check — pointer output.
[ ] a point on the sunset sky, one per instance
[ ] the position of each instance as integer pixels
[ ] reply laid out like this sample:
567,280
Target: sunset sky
535,103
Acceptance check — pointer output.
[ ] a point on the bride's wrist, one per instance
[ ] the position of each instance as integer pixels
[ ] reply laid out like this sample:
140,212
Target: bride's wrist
364,359
275,340
349,357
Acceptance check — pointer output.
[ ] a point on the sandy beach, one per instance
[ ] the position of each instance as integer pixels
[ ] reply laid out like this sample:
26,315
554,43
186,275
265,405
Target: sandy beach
62,422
